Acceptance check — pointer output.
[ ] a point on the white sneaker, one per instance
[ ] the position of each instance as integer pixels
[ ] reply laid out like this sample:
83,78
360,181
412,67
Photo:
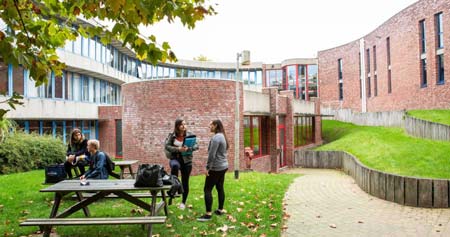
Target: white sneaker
182,206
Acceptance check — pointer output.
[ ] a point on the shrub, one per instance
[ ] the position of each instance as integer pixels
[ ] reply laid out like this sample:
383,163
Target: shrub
23,152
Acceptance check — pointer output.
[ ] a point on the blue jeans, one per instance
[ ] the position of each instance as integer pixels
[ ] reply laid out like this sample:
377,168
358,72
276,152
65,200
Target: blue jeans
179,165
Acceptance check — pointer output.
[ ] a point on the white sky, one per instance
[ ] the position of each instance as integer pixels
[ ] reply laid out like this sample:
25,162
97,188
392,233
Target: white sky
276,30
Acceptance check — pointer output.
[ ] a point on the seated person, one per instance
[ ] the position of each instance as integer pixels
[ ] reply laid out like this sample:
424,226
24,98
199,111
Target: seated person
77,154
97,169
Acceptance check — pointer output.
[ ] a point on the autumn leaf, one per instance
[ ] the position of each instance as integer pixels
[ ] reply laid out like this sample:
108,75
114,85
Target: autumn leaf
239,209
181,217
274,225
224,228
333,226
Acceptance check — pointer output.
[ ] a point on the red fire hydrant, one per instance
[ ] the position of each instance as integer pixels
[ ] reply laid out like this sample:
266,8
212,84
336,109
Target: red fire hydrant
248,151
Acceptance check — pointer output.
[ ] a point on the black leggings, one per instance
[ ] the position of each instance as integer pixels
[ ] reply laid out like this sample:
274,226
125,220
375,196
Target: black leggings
215,178
185,169
68,167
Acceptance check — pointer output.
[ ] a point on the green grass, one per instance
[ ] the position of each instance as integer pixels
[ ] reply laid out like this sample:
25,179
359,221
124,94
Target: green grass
389,149
254,199
437,116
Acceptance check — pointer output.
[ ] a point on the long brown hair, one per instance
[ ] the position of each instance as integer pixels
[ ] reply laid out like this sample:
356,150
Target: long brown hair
220,129
176,130
72,138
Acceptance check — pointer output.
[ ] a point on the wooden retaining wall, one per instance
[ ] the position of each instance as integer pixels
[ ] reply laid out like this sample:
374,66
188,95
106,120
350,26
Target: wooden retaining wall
410,191
426,129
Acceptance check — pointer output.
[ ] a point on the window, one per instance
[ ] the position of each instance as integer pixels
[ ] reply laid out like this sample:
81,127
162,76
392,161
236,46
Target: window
312,81
256,134
18,80
77,45
422,36
48,87
440,69
98,50
360,76
291,79
76,87
375,77
304,132
59,87
368,87
388,55
91,47
259,78
439,31
423,72
3,77
85,47
340,80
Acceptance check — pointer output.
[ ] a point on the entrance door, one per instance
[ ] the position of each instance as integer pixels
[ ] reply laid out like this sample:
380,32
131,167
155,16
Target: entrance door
282,141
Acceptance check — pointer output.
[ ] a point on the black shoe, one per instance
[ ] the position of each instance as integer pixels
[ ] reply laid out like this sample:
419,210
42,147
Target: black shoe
219,212
204,218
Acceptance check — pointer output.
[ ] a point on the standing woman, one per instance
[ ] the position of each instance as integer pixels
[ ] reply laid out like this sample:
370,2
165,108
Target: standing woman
179,162
216,168
76,152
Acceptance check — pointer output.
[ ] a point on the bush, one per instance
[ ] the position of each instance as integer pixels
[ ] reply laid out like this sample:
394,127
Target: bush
23,152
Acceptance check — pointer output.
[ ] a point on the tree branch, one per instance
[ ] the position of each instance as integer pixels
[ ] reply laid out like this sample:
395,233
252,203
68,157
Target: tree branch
16,2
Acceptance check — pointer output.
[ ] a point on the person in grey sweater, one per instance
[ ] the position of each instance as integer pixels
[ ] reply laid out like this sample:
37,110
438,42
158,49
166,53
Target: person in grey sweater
216,167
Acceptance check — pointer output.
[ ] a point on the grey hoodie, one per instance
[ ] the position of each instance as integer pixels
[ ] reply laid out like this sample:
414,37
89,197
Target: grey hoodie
217,153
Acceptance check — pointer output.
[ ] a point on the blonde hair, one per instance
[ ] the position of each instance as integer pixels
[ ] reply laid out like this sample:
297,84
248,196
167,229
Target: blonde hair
95,143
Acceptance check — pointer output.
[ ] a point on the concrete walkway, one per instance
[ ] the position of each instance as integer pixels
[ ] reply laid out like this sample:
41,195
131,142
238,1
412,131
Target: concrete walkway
329,203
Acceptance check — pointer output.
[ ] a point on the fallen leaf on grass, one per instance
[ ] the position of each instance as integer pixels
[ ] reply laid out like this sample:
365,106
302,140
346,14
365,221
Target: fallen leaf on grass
333,226
169,225
258,220
194,228
231,218
137,211
189,206
241,203
239,209
272,217
224,228
284,227
157,235
274,225
25,212
180,217
263,235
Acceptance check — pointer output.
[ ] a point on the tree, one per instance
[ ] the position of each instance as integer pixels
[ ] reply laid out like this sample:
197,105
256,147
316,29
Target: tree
202,58
35,29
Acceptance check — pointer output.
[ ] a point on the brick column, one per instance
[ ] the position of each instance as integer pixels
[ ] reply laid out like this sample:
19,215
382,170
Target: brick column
289,124
107,116
273,126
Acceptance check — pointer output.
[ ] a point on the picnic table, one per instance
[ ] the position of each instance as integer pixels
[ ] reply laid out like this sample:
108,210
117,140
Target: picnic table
122,188
124,164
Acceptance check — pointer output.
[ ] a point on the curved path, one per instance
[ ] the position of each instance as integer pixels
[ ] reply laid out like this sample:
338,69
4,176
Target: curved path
328,203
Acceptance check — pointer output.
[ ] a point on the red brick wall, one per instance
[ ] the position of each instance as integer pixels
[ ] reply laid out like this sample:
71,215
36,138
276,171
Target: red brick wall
289,124
107,127
403,30
151,107
261,164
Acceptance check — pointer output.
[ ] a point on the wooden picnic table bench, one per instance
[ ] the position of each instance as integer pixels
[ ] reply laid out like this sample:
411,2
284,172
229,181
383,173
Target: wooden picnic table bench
122,188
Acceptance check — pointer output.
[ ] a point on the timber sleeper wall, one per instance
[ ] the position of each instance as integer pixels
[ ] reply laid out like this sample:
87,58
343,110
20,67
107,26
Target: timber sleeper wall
426,129
410,191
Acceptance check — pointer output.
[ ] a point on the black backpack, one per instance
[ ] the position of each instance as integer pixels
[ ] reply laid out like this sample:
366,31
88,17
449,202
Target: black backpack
109,164
176,186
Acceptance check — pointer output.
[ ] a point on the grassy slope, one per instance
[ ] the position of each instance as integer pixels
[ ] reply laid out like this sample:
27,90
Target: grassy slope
389,149
254,198
438,116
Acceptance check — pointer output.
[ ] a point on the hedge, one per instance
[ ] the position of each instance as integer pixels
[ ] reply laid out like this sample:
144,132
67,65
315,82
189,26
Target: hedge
23,152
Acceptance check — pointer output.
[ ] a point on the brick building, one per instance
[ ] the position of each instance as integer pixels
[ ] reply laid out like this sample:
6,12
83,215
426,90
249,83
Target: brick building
398,66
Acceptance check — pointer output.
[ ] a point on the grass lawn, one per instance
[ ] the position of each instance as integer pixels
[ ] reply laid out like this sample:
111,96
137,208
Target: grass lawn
389,149
437,116
254,205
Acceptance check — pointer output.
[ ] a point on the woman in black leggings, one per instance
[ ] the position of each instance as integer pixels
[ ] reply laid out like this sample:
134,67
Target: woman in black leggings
216,168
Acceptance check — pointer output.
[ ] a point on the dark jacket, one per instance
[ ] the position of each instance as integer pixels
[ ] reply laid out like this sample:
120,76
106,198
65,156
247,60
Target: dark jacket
98,168
174,149
78,149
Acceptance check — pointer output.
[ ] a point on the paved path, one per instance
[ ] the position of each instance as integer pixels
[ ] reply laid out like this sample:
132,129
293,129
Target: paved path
322,199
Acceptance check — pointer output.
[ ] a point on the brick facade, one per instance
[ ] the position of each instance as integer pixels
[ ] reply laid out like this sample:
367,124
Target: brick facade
407,93
107,127
151,107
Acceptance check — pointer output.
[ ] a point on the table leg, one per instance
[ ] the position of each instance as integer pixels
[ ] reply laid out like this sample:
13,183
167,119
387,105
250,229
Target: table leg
56,202
154,194
131,171
163,194
85,209
122,171
149,234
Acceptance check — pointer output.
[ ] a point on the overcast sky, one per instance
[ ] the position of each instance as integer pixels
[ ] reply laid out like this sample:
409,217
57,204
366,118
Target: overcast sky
277,30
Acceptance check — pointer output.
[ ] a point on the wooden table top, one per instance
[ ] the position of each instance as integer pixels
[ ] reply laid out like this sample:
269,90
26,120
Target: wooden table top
100,185
126,162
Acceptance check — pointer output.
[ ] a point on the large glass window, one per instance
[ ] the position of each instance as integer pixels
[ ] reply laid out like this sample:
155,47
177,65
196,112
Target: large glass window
440,69
85,88
256,134
59,87
259,78
368,87
18,79
388,55
291,78
69,92
34,127
302,81
312,81
97,91
77,45
3,77
274,78
85,47
47,127
340,80
303,130
98,50
91,47
439,30
48,87
76,87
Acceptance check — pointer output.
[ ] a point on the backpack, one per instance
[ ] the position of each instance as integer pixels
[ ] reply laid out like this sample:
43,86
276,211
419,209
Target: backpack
167,152
109,164
176,186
